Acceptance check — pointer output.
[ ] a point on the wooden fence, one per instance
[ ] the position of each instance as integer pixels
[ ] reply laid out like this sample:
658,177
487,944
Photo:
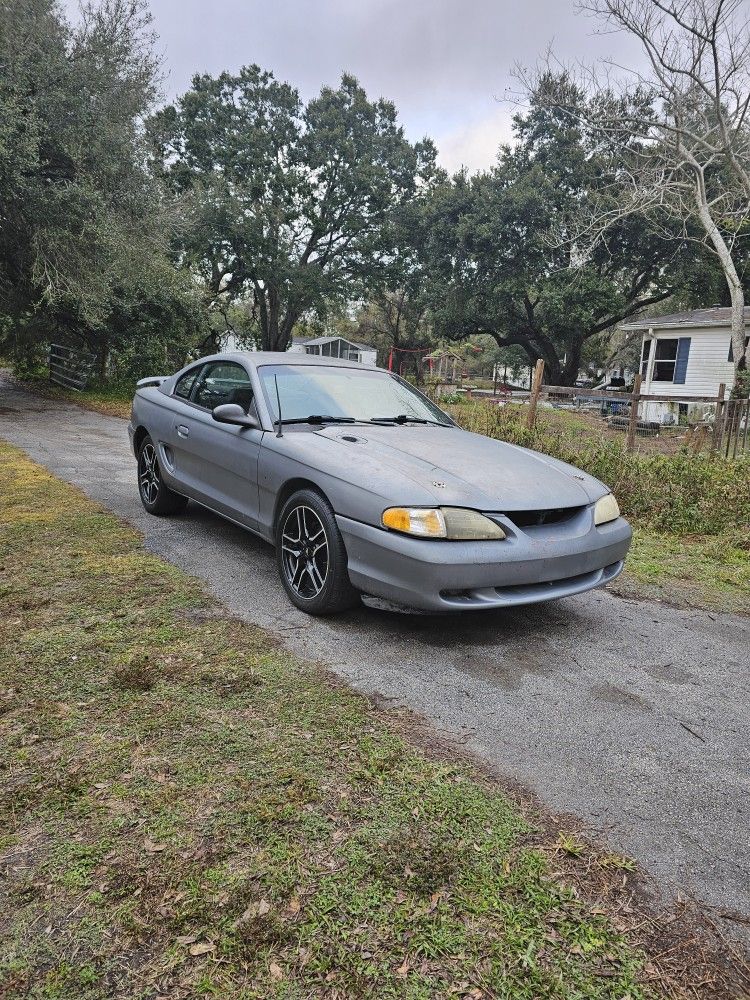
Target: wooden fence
733,434
727,433
71,367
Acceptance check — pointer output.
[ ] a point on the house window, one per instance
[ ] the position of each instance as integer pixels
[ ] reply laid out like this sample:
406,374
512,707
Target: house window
665,358
731,351
645,355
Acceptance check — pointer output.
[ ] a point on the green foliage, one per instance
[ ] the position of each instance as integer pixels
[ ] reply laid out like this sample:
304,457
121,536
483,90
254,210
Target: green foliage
290,205
678,494
86,233
503,260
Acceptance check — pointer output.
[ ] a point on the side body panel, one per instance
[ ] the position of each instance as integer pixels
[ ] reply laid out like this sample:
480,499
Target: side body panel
215,464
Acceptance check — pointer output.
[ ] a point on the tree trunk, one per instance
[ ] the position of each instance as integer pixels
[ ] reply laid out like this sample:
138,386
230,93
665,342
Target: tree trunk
572,365
733,280
274,332
285,331
273,320
552,367
741,387
103,358
553,372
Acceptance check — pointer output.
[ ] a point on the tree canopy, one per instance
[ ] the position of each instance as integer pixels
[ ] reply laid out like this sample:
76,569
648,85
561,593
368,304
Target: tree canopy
503,261
239,208
684,143
85,232
290,205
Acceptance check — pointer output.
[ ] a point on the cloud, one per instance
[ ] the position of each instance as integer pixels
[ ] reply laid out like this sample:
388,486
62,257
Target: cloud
442,62
475,144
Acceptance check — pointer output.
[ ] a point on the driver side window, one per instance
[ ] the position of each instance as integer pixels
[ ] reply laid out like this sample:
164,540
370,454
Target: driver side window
224,382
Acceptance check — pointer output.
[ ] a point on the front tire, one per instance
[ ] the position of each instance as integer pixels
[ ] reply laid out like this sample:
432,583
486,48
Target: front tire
311,557
156,497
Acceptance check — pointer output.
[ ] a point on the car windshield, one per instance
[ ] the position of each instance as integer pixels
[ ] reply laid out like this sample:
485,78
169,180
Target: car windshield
345,393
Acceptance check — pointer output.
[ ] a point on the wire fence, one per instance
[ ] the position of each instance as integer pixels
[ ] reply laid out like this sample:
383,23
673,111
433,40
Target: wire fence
70,367
651,423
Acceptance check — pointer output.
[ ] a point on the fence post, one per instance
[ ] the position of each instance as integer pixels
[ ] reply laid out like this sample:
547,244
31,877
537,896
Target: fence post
716,439
635,398
536,384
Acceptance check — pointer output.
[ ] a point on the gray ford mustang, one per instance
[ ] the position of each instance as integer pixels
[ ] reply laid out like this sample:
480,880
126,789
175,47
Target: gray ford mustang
366,487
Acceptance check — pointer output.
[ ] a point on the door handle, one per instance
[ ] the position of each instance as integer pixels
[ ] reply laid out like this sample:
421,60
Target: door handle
182,431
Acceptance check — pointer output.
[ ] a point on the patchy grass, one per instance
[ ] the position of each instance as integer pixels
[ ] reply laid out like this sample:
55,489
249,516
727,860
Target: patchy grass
187,810
700,571
113,401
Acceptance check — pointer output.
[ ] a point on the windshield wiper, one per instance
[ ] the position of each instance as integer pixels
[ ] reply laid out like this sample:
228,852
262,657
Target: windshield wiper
316,418
404,418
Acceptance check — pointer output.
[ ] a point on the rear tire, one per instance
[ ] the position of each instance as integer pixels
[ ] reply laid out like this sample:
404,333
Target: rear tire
311,557
157,498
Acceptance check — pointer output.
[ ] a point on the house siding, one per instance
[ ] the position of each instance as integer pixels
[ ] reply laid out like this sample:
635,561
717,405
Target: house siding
707,364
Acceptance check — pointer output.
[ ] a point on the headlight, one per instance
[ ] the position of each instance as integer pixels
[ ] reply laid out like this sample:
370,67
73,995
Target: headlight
441,522
606,510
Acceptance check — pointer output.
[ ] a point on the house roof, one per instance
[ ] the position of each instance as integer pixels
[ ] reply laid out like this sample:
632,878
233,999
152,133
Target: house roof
329,340
716,316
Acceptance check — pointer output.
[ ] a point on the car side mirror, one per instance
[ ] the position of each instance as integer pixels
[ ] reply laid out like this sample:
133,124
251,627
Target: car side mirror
232,413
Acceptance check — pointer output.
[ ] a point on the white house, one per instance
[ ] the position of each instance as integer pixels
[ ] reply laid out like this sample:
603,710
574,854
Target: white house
329,347
685,354
336,347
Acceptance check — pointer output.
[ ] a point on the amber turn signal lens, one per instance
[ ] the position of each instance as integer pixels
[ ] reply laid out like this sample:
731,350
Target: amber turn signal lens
426,523
442,522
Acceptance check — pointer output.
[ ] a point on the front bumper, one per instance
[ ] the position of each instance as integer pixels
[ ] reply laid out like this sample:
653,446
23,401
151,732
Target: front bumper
533,564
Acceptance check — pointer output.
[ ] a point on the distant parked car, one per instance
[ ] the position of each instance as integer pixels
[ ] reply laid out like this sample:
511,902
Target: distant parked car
366,487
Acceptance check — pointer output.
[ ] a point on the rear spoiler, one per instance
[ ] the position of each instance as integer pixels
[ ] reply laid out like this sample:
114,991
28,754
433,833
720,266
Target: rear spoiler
153,381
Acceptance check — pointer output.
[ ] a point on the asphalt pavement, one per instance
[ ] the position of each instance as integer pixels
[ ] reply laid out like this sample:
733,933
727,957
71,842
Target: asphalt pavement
634,716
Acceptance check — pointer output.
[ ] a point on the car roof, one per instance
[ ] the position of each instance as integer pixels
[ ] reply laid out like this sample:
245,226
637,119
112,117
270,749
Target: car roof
291,358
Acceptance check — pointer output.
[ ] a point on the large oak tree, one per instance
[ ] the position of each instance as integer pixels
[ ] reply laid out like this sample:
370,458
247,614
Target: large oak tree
84,232
291,205
502,255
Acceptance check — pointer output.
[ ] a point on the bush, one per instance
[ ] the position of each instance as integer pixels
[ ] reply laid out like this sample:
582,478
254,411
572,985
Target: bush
677,494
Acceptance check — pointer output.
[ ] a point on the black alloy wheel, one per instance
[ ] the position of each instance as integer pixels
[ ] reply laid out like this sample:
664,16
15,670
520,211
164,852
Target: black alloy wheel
156,497
311,556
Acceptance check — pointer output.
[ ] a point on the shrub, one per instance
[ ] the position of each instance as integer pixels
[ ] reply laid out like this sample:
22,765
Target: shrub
679,494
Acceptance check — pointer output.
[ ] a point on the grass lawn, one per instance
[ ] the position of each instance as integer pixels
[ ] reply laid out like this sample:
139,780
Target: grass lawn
187,811
706,571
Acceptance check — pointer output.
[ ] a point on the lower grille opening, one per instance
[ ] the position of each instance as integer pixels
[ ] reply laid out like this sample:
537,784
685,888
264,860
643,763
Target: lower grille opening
521,593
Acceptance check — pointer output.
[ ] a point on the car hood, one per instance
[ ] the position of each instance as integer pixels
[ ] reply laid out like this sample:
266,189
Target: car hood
457,468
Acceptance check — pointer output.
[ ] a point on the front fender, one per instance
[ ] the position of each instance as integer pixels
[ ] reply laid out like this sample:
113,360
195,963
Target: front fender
356,489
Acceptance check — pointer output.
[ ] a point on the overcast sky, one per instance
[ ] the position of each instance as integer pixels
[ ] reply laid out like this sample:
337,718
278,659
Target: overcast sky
445,63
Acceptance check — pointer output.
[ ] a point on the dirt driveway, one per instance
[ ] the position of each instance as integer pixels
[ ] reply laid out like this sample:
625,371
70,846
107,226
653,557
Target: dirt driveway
633,716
